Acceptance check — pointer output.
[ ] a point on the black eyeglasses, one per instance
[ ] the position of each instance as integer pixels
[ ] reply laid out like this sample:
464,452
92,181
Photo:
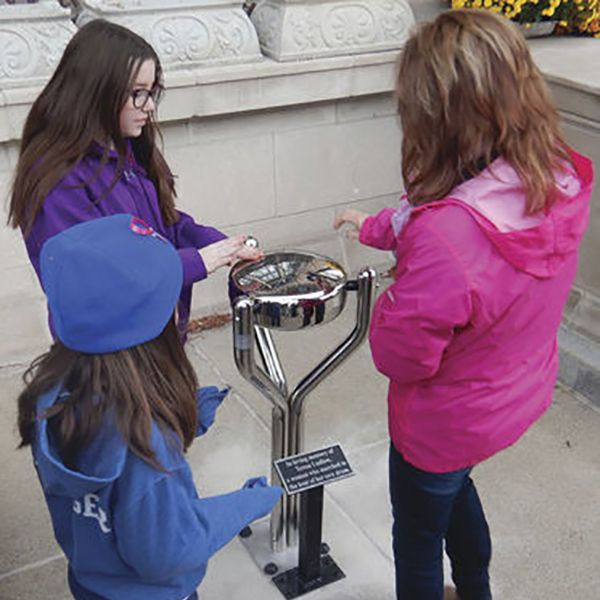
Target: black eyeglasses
140,97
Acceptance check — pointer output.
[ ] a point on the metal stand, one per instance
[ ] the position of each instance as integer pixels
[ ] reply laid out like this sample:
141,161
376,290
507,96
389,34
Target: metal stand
314,570
287,416
291,584
311,526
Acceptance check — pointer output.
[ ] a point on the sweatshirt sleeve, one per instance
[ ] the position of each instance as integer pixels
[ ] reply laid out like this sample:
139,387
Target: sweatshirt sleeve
415,318
194,268
66,205
208,400
169,533
189,234
188,237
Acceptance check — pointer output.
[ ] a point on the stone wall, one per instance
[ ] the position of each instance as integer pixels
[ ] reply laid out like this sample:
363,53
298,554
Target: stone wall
280,174
272,145
268,146
571,68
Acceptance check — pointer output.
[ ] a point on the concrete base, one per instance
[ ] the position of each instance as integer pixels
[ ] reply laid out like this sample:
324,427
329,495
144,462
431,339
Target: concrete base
580,364
258,546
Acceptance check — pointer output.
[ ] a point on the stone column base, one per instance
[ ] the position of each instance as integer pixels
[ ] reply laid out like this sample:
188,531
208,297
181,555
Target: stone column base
297,29
32,40
197,32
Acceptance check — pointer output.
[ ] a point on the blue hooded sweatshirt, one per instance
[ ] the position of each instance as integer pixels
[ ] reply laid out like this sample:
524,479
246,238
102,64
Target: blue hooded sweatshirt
130,531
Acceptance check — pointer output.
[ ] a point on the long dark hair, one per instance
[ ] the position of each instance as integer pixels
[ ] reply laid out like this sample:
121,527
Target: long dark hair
468,89
151,381
80,105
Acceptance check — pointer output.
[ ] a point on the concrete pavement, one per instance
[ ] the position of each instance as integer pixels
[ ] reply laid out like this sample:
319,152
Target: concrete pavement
542,496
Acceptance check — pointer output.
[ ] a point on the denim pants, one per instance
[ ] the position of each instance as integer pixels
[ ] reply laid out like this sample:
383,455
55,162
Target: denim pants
430,509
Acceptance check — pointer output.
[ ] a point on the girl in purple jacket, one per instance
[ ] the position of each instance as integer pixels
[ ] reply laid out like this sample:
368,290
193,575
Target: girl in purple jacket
486,241
88,150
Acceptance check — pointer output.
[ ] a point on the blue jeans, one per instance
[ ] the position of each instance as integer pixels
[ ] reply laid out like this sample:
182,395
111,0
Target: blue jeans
428,509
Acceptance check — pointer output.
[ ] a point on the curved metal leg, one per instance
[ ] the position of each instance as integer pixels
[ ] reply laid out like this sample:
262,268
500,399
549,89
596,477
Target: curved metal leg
243,344
365,289
287,416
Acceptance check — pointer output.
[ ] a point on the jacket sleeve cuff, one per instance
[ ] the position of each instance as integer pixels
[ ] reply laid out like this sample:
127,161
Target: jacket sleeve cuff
377,231
208,400
194,268
191,234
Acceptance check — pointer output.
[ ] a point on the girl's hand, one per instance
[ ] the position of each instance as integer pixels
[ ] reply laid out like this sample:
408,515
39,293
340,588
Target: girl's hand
227,251
354,218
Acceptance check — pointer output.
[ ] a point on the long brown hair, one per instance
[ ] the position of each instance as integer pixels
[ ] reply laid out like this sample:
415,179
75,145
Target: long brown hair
80,105
151,381
467,91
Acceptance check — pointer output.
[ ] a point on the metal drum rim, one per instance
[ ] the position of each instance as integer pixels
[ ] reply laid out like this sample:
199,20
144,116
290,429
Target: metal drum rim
318,296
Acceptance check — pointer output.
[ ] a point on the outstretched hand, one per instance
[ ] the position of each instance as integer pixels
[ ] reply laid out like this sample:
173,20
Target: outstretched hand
228,251
255,482
354,218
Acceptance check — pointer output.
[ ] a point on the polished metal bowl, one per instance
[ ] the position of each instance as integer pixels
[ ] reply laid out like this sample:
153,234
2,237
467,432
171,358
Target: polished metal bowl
291,290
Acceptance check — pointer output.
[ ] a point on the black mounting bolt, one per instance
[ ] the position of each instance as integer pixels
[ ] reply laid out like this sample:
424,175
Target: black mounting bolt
246,532
325,549
271,568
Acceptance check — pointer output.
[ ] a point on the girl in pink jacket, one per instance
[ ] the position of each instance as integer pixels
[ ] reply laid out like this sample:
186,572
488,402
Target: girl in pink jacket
486,242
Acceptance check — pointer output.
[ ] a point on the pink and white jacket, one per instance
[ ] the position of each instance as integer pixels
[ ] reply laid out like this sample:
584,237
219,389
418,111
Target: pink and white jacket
467,332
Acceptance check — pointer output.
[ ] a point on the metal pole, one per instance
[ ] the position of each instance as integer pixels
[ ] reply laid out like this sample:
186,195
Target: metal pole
287,416
311,524
365,281
279,428
270,358
243,344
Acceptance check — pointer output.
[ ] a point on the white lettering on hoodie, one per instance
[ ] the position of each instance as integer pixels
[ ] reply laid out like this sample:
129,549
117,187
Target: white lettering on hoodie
92,510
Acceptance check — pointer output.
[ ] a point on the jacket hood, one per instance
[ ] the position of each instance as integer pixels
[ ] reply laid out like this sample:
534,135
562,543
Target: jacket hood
536,244
98,466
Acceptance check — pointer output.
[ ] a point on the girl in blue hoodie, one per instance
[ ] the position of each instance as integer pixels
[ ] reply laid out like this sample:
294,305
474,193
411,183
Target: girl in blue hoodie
109,413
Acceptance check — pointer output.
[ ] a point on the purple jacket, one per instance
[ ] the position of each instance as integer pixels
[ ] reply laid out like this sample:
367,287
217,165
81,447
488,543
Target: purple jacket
75,199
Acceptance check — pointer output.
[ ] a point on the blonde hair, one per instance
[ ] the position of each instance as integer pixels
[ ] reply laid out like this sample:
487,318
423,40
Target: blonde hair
468,90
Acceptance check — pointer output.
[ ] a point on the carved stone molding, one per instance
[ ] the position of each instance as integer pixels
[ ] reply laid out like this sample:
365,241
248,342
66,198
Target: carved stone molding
294,29
32,40
185,33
